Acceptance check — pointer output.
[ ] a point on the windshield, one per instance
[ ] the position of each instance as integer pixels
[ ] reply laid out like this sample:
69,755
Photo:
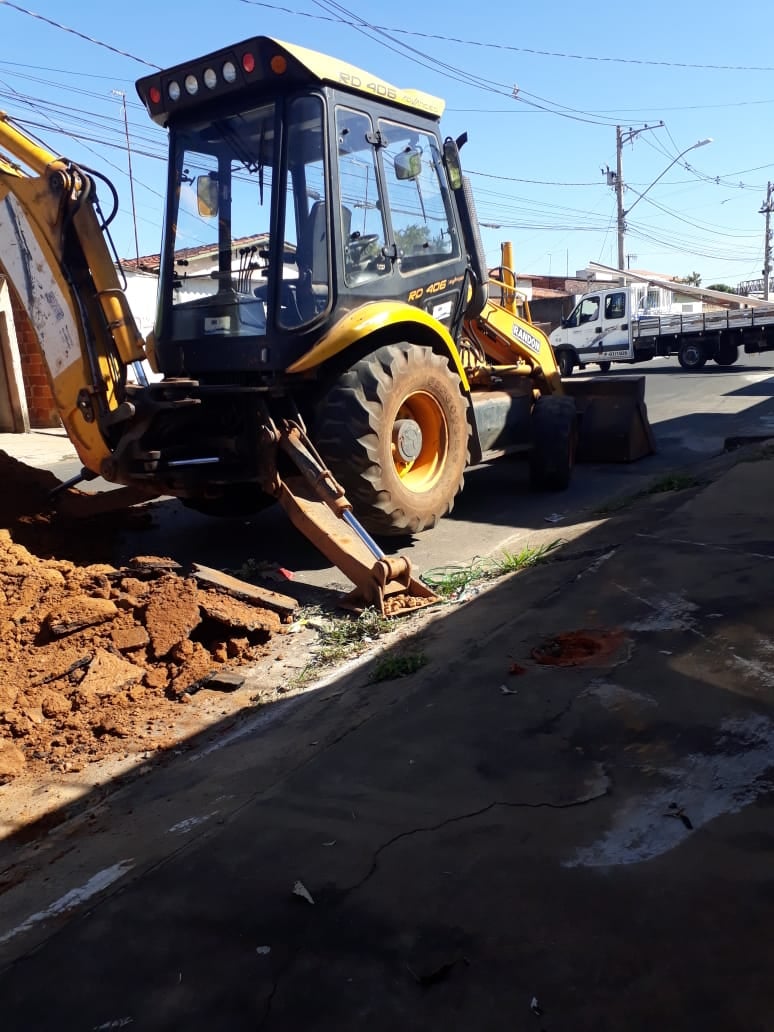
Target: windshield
223,237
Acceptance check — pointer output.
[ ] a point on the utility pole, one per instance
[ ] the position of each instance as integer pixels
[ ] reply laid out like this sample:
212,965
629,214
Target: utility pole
122,95
766,210
615,179
619,194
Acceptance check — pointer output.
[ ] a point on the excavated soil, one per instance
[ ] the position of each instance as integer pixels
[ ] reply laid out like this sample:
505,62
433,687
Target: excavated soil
578,648
95,658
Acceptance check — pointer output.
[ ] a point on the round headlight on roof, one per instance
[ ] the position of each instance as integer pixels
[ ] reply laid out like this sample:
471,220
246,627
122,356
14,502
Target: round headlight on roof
229,71
174,90
210,78
191,85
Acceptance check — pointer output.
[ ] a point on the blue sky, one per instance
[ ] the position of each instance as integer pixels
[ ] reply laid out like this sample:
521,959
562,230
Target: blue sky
538,89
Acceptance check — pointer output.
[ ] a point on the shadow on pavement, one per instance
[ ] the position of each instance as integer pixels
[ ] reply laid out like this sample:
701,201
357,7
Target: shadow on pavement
493,842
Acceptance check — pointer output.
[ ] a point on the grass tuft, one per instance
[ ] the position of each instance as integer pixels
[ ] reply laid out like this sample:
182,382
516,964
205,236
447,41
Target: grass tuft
392,667
450,581
340,638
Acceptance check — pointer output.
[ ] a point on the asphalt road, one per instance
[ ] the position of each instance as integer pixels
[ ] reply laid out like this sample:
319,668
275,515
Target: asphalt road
499,841
693,415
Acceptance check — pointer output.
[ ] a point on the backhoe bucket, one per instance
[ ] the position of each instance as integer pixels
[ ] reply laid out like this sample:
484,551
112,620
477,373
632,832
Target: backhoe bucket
612,417
382,582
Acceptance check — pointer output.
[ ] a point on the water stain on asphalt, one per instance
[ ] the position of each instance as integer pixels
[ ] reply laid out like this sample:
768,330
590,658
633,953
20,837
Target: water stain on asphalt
699,788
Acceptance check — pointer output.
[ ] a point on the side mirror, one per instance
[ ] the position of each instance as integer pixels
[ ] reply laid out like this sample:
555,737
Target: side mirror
451,159
207,196
408,164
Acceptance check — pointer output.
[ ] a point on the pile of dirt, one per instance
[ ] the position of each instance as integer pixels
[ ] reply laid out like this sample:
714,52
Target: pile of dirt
92,656
63,523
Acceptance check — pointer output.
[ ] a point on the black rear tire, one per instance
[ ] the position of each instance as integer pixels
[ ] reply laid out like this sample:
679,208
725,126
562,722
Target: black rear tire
566,363
604,367
727,355
554,443
691,355
393,429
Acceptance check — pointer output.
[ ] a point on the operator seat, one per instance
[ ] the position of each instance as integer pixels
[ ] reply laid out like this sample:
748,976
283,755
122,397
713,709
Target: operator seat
312,259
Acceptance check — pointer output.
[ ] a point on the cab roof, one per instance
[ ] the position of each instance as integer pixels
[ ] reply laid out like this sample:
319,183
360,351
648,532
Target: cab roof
262,60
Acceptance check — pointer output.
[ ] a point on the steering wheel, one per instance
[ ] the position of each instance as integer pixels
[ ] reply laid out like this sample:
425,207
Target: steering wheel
358,245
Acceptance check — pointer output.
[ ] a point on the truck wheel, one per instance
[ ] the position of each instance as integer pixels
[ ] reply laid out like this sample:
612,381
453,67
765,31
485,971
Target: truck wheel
394,431
727,354
554,442
691,355
566,363
604,367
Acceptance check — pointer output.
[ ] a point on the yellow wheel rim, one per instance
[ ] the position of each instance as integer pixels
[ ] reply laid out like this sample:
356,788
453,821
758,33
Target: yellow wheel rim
421,470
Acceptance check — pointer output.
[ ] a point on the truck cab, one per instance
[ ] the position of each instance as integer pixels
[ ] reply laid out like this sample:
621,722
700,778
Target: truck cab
597,331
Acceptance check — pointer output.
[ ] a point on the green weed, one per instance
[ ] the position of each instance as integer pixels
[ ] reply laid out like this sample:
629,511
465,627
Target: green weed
449,581
340,638
673,482
670,482
392,667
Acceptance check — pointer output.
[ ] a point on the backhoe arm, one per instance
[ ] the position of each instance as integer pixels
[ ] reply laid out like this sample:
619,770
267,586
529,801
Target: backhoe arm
318,507
53,250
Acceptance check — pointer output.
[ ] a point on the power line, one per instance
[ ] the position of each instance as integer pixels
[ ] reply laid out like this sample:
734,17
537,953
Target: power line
75,32
513,49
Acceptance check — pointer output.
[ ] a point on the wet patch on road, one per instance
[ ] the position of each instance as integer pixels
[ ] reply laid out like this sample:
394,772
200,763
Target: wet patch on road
700,787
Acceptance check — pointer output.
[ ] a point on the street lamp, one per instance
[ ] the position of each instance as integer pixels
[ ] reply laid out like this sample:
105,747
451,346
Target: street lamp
623,212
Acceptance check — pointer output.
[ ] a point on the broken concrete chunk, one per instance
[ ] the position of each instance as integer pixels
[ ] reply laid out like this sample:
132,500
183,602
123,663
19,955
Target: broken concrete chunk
172,613
198,667
108,674
125,638
73,614
12,761
154,564
8,693
224,681
54,704
236,614
282,604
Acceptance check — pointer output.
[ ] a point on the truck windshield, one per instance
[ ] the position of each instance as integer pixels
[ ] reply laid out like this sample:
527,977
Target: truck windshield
235,233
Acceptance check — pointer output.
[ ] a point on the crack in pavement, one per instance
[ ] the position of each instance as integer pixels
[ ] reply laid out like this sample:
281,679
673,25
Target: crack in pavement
545,804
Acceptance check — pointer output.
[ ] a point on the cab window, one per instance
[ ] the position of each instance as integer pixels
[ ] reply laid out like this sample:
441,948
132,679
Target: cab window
615,306
585,311
360,208
418,195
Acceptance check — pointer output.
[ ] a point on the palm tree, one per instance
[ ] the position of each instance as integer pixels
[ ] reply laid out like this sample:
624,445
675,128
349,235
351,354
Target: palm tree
693,279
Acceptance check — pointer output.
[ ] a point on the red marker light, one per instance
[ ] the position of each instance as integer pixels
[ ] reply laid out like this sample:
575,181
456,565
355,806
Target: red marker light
248,63
278,64
155,95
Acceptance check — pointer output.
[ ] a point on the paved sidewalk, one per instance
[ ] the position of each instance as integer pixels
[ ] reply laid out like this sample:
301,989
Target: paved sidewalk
567,847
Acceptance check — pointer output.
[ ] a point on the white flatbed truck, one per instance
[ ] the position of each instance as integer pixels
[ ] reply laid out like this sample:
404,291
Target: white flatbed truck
638,322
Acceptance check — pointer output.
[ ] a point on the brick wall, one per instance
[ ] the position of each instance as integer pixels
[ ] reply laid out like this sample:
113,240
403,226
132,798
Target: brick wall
40,400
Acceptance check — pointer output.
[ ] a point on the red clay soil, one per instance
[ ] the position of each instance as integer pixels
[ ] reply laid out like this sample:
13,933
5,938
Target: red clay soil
578,648
92,656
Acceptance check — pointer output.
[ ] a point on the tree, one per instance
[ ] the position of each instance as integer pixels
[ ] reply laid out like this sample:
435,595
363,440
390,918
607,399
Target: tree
722,286
411,239
693,279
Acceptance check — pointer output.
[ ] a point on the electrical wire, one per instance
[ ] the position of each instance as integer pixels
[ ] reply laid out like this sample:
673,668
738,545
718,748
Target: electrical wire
75,32
519,50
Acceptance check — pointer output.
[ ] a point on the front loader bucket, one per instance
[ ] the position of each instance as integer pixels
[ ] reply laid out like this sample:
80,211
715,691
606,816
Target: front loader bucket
612,418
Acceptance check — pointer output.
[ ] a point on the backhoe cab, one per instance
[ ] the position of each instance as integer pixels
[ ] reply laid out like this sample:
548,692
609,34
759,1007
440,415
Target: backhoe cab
322,280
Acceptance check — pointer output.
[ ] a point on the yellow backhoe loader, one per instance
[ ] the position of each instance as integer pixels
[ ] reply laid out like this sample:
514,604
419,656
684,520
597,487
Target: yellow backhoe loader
322,280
